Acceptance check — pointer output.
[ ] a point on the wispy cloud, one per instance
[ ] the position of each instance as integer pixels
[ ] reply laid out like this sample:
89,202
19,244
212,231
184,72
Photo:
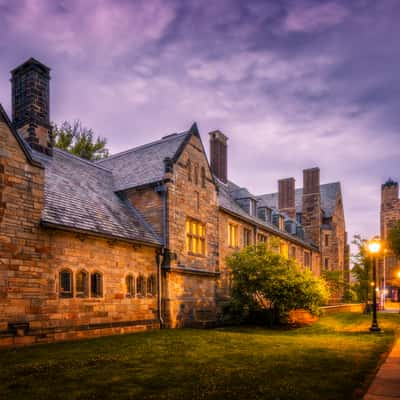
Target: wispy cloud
292,83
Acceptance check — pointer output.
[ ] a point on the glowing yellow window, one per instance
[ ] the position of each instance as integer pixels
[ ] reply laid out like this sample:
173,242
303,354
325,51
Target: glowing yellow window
233,236
195,237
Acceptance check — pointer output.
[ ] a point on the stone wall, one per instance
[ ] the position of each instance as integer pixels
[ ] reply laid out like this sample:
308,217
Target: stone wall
189,297
31,258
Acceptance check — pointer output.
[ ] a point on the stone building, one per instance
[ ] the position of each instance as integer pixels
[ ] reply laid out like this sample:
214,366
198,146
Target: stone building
135,241
390,215
319,210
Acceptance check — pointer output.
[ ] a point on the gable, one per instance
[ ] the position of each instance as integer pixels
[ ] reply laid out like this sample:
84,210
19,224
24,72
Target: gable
12,142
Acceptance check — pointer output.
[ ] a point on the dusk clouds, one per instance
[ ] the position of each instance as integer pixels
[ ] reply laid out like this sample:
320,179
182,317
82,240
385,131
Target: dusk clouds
294,84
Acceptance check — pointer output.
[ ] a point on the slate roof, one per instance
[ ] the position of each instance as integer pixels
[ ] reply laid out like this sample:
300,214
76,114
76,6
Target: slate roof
79,195
144,164
226,198
329,192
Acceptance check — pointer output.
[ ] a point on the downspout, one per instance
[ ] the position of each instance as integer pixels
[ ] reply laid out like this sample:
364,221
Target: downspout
163,190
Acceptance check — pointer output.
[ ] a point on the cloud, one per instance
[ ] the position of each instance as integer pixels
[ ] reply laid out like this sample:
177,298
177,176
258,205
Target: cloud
306,17
293,84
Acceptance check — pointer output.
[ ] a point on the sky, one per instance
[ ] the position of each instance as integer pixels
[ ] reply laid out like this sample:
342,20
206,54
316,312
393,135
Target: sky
294,84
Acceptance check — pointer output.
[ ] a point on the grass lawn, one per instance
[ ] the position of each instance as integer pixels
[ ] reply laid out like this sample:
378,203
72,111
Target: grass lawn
333,359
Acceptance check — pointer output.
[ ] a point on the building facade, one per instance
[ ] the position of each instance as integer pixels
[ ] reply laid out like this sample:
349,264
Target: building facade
132,242
389,268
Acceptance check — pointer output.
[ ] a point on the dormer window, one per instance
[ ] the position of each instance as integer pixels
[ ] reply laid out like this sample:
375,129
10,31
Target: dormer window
252,207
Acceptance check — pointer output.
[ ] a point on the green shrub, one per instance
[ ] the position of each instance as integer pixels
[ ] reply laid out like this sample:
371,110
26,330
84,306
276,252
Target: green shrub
266,286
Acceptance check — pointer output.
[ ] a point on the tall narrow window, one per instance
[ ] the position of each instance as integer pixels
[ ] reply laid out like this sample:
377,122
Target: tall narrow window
65,278
130,286
326,240
233,236
196,174
247,237
195,237
140,286
307,260
151,285
189,170
82,284
96,285
326,263
197,200
261,238
293,252
203,177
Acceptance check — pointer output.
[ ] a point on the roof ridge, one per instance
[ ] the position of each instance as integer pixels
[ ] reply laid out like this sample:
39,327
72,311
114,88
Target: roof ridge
298,189
143,146
83,160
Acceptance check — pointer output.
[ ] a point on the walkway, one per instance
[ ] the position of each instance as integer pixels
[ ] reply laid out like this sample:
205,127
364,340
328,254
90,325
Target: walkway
386,385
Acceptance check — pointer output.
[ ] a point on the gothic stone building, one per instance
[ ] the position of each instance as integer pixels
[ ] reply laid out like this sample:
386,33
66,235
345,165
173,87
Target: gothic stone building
319,209
132,242
390,215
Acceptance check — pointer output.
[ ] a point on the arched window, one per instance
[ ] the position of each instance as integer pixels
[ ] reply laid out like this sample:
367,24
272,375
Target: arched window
96,284
203,177
189,170
130,286
151,285
82,284
66,289
140,286
196,174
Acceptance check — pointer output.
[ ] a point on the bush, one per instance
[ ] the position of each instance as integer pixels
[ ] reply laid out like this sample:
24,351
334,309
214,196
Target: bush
266,286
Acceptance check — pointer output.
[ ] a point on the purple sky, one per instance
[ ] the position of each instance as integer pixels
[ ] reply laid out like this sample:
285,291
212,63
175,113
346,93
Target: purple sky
293,84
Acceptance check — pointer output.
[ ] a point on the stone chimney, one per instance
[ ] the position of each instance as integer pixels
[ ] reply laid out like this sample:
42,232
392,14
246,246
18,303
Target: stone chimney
30,104
286,197
218,155
311,210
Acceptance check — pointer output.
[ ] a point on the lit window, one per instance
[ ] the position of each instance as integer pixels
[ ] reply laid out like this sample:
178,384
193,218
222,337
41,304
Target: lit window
130,286
203,177
96,282
233,236
246,237
151,285
195,237
307,259
82,284
140,286
66,283
261,238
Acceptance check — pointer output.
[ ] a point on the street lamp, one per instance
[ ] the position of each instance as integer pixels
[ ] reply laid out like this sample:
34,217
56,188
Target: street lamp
374,247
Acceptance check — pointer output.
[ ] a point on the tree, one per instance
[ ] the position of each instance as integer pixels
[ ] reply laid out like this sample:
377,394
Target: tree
394,238
79,140
362,267
264,280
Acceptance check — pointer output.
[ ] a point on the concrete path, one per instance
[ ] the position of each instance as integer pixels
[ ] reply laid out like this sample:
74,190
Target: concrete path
386,385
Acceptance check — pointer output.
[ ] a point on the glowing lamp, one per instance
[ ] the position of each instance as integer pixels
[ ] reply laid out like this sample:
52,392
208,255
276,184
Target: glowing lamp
374,246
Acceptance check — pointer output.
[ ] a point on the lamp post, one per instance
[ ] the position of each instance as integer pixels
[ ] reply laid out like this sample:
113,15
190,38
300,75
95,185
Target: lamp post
374,247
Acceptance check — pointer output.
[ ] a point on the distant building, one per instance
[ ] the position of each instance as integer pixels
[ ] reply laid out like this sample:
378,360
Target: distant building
390,214
139,239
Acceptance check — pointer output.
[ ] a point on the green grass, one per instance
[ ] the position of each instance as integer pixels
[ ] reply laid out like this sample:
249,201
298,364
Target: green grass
333,359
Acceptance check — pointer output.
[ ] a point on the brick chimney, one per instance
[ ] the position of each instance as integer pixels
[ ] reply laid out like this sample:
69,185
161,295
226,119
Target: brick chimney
311,213
286,197
30,104
219,156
